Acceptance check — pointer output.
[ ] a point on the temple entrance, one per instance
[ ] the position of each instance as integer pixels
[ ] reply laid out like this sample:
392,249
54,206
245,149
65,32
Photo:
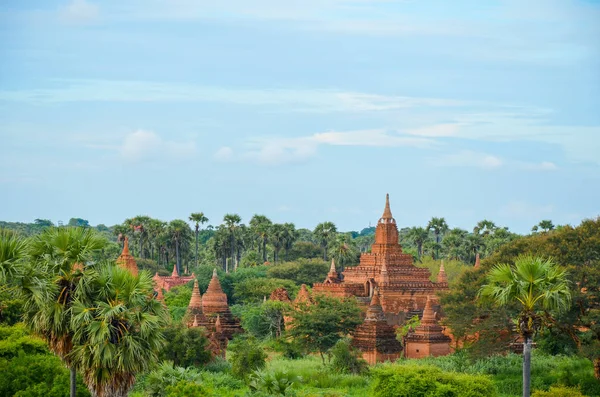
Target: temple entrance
370,287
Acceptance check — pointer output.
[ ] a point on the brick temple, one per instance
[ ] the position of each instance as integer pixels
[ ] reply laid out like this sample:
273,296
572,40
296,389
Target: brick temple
126,260
168,282
402,286
428,338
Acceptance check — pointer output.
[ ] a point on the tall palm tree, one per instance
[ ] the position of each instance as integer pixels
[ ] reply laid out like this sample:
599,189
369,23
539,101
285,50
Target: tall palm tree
199,219
116,327
418,236
62,253
343,250
439,227
324,232
290,237
546,225
261,225
178,232
232,222
484,227
277,239
538,286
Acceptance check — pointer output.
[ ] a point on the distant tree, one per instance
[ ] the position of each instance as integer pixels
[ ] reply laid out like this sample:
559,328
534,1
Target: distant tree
439,227
260,225
539,286
43,223
78,222
484,227
418,236
199,219
232,223
343,250
185,347
324,232
318,327
247,356
178,232
289,238
546,225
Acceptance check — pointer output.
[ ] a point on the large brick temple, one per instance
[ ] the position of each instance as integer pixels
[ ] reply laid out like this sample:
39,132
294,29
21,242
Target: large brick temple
402,286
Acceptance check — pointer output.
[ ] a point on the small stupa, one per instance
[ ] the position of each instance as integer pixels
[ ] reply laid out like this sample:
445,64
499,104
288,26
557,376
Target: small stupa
214,304
428,338
442,277
126,260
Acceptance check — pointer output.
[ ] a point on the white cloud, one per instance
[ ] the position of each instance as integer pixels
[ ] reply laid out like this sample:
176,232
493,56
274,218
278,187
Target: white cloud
144,145
80,11
378,137
224,153
277,151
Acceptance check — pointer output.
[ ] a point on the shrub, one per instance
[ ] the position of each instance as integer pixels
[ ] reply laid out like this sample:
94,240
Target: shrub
346,359
428,381
185,347
218,364
558,391
276,383
246,356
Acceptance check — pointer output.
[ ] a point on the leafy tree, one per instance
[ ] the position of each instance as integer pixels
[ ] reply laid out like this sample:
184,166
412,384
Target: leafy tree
546,225
232,223
290,236
301,271
43,223
116,326
277,236
78,222
247,356
255,289
199,219
185,347
264,320
347,359
179,232
324,232
319,326
537,284
343,250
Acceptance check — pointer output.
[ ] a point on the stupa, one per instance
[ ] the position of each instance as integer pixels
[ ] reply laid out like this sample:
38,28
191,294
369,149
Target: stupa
375,337
126,260
214,304
403,287
194,316
428,338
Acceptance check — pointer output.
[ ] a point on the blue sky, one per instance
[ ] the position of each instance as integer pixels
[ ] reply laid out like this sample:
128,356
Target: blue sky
305,111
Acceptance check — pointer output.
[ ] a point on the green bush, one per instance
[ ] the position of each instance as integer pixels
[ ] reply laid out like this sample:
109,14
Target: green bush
185,346
301,271
428,381
247,356
276,383
558,391
346,359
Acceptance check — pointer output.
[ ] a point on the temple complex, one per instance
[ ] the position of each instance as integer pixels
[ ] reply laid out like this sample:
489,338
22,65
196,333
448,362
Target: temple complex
428,338
174,280
375,338
126,260
403,287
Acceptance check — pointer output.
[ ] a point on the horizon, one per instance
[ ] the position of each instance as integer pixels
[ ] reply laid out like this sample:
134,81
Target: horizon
304,112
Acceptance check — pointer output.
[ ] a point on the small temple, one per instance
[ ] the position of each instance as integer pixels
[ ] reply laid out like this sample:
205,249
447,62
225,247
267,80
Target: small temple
403,287
477,262
375,338
126,260
174,280
428,338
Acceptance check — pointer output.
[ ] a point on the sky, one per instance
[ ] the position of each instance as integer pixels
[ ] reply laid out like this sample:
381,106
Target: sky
303,110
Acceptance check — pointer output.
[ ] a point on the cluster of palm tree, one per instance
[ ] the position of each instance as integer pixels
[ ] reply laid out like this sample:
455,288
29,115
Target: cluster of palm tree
438,240
99,319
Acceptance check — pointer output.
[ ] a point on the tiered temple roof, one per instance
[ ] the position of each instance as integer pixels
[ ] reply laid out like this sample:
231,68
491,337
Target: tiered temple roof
194,315
403,286
214,305
174,280
332,276
374,337
428,338
126,260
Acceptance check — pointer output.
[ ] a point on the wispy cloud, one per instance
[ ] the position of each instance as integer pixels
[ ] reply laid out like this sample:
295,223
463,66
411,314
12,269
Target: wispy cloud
141,146
470,158
79,11
224,154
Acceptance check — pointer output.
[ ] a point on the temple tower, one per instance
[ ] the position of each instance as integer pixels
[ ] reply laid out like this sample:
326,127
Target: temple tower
194,314
374,337
428,338
214,304
126,260
442,277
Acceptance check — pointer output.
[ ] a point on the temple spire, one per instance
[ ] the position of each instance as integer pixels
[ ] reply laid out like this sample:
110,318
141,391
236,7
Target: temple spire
477,261
332,267
428,313
195,323
196,300
375,311
442,277
175,273
387,213
125,246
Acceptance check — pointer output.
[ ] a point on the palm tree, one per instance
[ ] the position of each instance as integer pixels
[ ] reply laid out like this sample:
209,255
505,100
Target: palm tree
178,231
116,327
62,253
232,222
198,218
324,232
290,237
343,250
439,227
484,228
418,236
277,239
546,225
260,225
538,286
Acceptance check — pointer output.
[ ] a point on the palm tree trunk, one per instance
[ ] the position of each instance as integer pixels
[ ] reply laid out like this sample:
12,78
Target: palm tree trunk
196,245
527,366
264,249
177,263
597,367
232,248
73,380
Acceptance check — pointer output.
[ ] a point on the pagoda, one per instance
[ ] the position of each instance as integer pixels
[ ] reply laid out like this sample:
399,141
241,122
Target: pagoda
174,280
375,338
194,316
403,287
126,260
214,306
428,338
